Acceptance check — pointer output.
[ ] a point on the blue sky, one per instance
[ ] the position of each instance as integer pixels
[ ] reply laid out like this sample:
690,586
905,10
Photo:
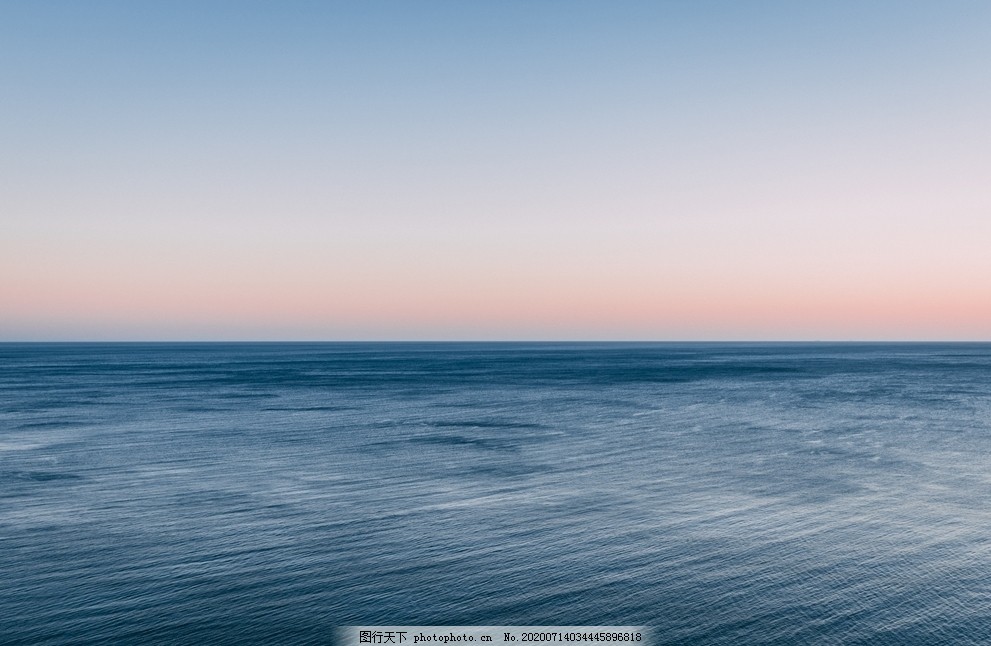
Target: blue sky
668,170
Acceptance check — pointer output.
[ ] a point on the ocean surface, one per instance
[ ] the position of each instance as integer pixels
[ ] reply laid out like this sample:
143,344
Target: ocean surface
722,493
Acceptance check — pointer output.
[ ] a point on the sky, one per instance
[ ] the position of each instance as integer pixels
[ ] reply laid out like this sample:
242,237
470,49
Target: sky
544,170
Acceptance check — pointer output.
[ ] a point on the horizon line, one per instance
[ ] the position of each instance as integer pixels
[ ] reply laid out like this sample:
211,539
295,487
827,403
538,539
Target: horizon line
490,341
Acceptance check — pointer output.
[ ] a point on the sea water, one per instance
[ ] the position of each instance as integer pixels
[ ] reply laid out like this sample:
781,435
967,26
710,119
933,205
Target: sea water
721,493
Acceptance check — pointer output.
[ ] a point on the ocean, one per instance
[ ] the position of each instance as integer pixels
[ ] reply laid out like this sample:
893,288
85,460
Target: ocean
720,493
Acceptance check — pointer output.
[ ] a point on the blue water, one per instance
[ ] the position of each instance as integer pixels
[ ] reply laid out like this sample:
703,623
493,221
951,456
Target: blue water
265,493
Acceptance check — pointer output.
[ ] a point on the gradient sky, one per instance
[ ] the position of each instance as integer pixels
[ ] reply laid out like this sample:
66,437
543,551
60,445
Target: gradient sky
504,170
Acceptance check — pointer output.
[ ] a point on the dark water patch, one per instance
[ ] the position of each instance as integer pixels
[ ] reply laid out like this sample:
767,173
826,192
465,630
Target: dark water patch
46,405
305,409
39,476
486,424
199,408
245,395
50,424
488,443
